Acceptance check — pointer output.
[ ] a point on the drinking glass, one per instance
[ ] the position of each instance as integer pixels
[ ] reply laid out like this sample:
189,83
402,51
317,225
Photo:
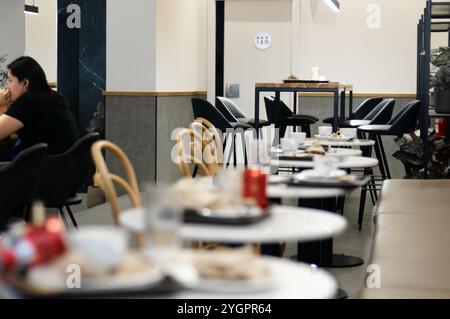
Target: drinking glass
163,214
324,165
259,155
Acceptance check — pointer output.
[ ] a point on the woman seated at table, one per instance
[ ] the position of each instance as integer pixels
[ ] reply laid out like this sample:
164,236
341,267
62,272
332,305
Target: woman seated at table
33,111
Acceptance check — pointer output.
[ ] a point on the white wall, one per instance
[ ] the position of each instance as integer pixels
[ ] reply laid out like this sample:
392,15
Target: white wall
131,45
181,45
346,50
12,26
41,36
244,63
211,50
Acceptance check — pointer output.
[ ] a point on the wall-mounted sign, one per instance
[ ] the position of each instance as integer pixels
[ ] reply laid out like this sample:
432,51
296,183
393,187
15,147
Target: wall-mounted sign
263,40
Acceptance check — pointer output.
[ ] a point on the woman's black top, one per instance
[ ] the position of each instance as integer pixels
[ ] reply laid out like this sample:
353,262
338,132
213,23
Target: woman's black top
44,121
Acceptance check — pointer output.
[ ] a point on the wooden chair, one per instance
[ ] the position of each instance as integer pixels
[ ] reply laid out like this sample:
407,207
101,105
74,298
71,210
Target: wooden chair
212,144
193,154
107,180
213,158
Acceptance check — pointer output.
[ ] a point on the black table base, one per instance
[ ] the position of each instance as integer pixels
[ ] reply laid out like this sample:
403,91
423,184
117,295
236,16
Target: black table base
341,294
337,261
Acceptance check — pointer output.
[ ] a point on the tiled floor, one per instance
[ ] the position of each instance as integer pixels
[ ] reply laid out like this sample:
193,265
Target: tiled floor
352,242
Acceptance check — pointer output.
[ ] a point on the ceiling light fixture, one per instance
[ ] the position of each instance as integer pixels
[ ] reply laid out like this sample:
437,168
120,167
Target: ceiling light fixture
31,9
334,5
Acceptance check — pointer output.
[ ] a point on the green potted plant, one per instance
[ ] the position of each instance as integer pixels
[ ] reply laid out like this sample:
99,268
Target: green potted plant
440,80
441,84
3,74
416,159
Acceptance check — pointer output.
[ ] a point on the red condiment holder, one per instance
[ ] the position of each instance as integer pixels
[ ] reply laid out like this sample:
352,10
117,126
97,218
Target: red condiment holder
254,187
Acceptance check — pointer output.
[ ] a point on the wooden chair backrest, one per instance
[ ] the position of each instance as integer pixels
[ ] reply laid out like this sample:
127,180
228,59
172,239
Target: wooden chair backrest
107,180
212,144
191,155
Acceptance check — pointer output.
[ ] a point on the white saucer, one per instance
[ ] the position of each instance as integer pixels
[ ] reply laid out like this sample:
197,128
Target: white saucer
334,138
343,152
312,174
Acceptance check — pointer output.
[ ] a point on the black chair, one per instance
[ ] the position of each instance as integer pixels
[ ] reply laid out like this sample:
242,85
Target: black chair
380,114
63,174
234,114
405,121
206,110
281,115
361,111
18,181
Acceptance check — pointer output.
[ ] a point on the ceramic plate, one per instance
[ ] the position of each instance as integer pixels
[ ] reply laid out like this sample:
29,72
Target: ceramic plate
342,138
311,174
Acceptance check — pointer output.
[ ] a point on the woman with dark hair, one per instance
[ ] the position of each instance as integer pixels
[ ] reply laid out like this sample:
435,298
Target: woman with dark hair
33,111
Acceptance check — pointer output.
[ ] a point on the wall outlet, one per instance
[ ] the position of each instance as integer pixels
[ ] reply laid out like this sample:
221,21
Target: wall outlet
232,91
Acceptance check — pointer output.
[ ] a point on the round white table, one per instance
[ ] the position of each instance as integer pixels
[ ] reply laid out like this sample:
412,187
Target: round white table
284,224
291,280
350,162
285,191
277,188
351,143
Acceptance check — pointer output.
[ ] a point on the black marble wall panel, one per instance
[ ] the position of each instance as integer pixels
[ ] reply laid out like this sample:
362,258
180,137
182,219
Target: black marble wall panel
82,58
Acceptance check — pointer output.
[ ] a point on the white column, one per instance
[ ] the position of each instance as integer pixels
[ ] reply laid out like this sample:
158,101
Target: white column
131,45
295,37
41,37
211,49
12,26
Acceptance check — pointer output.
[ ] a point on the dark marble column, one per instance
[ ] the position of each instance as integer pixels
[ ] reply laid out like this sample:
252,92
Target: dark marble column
82,58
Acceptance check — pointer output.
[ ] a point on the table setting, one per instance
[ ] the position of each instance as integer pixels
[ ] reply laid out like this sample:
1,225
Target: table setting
100,261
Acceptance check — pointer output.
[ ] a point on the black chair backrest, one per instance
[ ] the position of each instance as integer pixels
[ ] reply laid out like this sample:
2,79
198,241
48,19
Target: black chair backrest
384,113
221,105
276,110
406,119
232,107
206,110
62,174
365,107
18,180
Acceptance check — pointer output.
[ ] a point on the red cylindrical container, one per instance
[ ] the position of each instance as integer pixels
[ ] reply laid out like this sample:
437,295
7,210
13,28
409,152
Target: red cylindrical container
441,125
254,187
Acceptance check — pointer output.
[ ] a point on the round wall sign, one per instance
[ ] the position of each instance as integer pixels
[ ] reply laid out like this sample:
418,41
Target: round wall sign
263,40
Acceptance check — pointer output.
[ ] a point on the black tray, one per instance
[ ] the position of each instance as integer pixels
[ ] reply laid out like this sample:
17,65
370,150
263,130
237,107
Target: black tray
194,217
331,183
308,158
303,81
166,286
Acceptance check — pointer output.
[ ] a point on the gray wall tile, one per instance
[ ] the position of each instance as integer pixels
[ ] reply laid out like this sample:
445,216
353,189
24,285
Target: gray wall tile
142,127
173,112
130,122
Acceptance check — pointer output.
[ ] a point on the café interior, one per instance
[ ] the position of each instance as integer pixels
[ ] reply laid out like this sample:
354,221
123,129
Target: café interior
243,149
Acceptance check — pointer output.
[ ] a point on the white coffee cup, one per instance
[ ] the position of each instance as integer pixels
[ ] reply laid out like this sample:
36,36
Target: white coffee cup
299,137
325,130
324,165
348,132
288,144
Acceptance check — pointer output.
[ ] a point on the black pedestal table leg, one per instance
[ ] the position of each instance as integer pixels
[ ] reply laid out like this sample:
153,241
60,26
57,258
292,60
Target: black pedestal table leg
325,248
